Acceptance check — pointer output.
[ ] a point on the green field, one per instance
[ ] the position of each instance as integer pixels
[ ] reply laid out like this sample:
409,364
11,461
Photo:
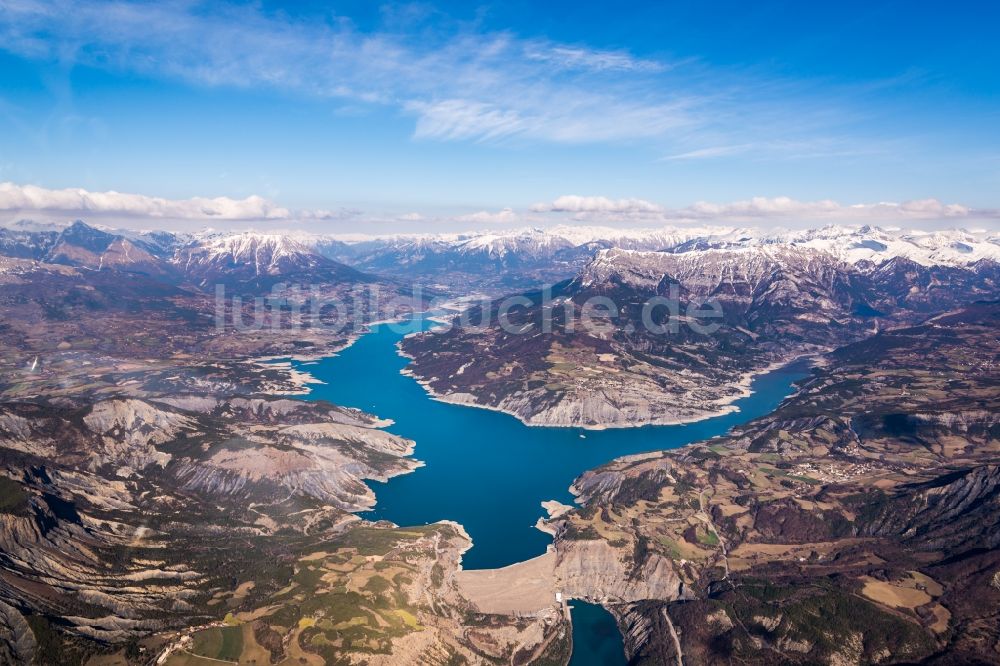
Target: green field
708,538
223,643
13,499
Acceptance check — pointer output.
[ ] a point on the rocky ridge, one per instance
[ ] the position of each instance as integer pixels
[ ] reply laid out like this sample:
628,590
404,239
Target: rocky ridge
102,501
868,499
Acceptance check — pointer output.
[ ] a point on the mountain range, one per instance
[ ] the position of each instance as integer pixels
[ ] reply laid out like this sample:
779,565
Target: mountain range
491,261
496,262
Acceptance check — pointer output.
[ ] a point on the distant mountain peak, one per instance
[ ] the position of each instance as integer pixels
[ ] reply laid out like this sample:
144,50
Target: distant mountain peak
266,254
255,257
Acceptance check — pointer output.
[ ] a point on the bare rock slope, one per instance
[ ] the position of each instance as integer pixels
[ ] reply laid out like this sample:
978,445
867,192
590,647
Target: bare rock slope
857,523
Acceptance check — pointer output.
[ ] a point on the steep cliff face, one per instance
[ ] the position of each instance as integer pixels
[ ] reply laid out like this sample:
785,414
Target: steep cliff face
650,635
617,401
596,571
56,555
956,510
17,643
129,431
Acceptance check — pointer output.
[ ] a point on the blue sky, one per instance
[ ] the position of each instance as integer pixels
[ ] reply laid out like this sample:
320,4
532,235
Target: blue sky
361,116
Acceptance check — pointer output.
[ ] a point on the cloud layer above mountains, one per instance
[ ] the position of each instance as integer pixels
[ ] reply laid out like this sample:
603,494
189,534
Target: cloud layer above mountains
32,201
761,208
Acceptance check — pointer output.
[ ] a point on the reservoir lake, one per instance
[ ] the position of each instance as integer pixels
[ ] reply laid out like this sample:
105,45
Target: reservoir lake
490,472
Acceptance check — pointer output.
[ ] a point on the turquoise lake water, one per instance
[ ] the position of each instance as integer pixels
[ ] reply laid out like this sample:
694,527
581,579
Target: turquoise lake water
490,472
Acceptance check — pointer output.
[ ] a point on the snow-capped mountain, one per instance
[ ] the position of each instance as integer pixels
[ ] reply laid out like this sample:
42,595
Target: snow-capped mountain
90,246
954,247
519,246
815,278
258,258
710,271
25,239
501,260
493,261
496,260
263,254
478,251
251,259
82,245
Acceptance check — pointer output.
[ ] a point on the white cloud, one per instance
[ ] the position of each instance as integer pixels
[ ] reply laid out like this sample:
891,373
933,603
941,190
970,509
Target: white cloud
324,214
455,84
568,57
50,204
827,209
572,203
76,201
486,217
760,207
706,153
461,119
777,209
933,207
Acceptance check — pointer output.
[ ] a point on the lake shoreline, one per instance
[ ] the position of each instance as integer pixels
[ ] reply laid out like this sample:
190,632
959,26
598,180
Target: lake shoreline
744,386
499,481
